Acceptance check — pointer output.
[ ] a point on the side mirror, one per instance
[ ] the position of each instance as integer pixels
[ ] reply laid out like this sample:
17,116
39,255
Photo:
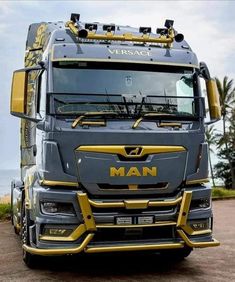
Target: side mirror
213,100
212,94
19,92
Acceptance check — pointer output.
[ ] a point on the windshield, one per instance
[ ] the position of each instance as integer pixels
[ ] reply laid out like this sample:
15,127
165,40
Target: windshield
82,87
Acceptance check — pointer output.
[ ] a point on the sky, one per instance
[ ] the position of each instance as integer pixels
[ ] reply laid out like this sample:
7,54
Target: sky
208,26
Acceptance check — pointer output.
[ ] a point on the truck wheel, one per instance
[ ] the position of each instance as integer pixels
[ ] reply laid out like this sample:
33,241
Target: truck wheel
29,259
12,188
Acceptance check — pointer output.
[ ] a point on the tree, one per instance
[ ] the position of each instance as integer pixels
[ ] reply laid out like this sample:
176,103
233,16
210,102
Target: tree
227,99
211,140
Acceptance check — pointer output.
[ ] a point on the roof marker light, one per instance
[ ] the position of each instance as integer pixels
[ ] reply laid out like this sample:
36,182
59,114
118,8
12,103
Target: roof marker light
169,23
109,27
91,26
162,31
75,17
145,30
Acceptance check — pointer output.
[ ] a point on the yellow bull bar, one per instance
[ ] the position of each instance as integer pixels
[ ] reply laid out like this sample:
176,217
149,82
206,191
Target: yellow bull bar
89,226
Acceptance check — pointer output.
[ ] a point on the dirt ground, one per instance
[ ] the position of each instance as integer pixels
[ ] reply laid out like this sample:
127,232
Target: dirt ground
211,264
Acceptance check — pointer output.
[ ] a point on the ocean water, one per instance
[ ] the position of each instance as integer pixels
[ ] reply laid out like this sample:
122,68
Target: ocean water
6,176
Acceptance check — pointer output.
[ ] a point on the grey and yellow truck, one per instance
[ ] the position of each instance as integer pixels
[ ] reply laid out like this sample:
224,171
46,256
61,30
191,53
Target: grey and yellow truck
113,151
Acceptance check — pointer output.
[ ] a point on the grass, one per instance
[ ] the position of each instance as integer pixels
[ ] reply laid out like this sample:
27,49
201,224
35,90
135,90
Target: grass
220,192
5,211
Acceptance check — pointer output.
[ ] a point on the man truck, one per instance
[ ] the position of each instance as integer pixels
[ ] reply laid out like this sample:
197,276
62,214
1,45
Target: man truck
113,151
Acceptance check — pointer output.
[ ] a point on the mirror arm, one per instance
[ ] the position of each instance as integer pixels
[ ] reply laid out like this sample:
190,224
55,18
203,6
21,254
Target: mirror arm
211,121
204,71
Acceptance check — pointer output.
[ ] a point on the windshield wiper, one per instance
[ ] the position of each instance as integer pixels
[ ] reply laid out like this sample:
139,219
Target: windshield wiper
150,115
79,120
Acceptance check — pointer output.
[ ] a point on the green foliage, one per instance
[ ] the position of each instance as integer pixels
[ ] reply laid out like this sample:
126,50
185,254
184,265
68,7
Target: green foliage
5,211
226,94
222,169
225,142
222,193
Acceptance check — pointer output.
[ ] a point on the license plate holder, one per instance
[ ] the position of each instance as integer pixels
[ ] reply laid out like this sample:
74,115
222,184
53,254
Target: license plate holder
134,220
124,220
142,220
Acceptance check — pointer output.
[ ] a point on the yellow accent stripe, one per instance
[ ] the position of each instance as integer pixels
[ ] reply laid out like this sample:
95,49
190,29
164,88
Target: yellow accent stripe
184,209
18,92
62,251
133,187
127,248
192,244
137,122
135,203
189,230
213,99
146,150
86,212
58,183
129,37
197,181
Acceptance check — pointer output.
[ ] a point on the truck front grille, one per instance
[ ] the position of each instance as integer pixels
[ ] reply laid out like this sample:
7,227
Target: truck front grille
160,185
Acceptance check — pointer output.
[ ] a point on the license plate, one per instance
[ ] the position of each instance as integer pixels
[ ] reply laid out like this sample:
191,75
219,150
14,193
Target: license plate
134,220
124,220
145,220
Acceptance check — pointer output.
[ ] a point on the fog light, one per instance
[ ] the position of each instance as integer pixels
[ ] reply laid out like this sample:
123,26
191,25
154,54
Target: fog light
56,232
200,225
56,208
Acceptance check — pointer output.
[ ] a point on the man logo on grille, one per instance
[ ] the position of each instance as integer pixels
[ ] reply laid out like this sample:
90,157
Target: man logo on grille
133,151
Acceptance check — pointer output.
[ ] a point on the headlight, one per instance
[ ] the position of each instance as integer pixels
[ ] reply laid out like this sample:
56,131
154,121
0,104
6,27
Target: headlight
200,203
56,208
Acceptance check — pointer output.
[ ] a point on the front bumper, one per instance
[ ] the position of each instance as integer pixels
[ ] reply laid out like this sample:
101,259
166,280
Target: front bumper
88,229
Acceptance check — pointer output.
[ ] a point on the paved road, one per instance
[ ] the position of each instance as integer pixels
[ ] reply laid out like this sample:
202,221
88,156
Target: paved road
211,264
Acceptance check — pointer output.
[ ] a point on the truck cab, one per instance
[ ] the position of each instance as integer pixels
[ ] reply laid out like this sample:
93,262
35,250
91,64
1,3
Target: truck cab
113,151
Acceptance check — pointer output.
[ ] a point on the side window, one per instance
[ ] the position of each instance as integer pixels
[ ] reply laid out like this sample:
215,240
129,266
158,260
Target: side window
204,95
32,89
184,87
42,94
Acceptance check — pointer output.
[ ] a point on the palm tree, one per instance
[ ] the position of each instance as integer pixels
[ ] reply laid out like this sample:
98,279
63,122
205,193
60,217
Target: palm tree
211,140
227,99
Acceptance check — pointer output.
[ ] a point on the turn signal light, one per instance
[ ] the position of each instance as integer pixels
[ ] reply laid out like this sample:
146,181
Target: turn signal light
200,225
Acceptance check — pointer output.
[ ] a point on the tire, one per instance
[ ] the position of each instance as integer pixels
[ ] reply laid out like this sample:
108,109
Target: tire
12,188
29,259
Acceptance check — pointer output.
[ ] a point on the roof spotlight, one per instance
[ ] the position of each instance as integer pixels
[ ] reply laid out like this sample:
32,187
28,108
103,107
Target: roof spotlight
109,27
75,17
162,31
145,30
169,23
91,26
